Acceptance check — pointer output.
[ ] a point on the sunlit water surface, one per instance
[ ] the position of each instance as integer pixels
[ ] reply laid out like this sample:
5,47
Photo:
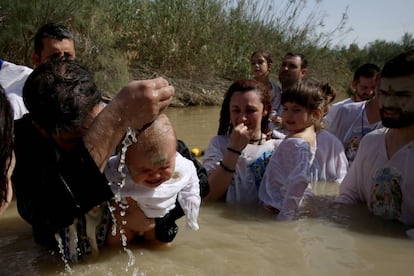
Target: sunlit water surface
236,240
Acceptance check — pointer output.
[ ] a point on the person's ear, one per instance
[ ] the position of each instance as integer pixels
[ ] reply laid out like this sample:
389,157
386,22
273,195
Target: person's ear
318,113
377,79
304,72
354,84
35,59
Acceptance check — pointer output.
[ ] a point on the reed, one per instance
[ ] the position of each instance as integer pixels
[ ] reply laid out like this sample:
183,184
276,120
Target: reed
199,45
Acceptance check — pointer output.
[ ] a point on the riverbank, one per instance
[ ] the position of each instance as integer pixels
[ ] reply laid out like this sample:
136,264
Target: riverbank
197,92
191,91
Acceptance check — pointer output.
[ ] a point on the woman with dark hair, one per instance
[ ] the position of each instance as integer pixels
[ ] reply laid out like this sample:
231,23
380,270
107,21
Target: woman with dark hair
236,158
6,150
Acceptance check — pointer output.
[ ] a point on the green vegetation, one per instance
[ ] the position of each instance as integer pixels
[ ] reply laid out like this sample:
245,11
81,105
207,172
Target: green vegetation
199,45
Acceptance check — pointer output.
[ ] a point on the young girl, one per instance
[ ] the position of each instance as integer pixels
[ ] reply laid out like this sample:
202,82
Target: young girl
260,65
236,158
290,169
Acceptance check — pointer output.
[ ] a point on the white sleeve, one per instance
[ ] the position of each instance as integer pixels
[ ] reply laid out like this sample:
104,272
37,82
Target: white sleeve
348,190
335,126
213,153
297,166
286,177
330,117
17,104
189,197
340,162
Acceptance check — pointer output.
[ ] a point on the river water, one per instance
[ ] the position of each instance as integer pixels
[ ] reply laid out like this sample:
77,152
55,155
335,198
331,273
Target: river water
236,240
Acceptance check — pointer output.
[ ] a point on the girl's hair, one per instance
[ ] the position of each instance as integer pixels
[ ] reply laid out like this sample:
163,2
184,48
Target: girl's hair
328,90
306,94
243,86
6,143
264,54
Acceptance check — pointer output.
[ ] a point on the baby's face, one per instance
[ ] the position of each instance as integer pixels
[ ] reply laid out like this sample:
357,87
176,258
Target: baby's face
151,169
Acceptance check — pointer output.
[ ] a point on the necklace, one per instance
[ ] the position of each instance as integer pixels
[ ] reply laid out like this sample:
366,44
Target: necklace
369,127
257,140
362,121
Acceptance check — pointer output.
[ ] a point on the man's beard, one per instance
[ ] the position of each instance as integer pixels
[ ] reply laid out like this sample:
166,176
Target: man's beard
404,119
365,97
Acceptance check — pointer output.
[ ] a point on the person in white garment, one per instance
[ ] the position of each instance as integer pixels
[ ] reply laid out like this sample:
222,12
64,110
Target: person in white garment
236,158
12,78
291,169
353,121
330,154
382,174
331,162
260,66
157,177
363,86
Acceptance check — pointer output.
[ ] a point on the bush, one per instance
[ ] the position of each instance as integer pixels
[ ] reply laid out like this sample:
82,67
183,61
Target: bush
199,45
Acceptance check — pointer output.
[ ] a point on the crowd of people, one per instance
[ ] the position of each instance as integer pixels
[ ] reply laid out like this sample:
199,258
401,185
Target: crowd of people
61,144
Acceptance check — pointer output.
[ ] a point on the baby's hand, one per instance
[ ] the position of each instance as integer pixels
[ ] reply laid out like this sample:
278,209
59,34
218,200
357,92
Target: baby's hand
192,208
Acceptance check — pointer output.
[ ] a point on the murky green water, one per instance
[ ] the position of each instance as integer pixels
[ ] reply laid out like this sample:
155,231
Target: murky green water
236,240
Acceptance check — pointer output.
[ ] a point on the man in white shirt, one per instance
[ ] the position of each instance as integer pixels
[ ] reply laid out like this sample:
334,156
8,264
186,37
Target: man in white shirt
354,120
363,85
382,174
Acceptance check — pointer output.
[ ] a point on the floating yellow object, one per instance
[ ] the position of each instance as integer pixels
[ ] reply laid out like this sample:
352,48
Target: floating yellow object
197,152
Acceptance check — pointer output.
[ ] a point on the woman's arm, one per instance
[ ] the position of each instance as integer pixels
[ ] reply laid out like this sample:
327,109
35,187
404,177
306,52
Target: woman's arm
220,178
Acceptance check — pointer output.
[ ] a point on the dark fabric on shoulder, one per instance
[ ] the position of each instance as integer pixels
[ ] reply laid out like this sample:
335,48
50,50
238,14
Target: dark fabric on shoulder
201,171
52,188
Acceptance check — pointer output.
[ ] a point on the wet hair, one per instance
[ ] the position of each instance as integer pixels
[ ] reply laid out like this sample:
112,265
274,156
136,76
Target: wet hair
400,66
243,86
60,95
367,70
304,60
264,54
307,95
6,146
50,30
157,133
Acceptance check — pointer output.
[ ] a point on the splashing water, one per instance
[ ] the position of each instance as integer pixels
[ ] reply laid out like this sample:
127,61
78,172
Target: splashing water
68,269
130,138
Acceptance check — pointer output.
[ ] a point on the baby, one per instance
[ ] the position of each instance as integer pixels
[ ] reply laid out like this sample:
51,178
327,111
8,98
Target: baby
156,177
